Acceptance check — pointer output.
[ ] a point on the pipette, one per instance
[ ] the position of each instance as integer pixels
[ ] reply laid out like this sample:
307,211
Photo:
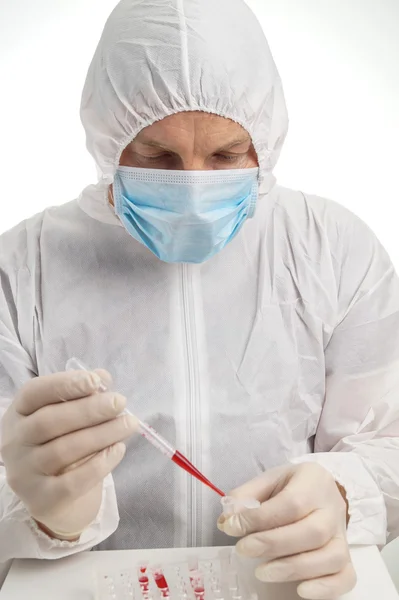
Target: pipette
153,436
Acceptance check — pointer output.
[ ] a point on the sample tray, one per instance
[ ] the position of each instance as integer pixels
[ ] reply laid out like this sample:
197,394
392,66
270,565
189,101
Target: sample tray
81,577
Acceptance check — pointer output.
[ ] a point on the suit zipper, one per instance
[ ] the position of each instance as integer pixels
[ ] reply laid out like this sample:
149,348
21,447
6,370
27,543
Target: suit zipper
193,417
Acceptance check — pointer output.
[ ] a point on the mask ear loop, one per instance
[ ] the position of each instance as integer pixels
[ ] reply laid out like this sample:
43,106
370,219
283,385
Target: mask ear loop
106,182
266,182
116,195
254,198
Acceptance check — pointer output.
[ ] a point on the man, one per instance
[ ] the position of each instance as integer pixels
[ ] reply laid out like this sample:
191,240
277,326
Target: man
255,327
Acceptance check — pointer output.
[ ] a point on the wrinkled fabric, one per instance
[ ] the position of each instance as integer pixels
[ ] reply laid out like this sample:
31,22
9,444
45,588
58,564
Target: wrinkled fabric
284,346
185,216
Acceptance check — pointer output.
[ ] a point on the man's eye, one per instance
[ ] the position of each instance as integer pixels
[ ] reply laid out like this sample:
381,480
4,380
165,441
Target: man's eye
227,157
157,157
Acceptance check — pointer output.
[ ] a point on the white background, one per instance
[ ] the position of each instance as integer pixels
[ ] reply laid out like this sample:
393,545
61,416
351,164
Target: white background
338,60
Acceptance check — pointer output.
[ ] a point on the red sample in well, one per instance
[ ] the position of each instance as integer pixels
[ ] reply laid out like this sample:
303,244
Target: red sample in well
143,578
160,581
183,462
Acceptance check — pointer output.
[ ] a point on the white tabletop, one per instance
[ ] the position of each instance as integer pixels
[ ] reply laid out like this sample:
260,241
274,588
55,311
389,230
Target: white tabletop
73,578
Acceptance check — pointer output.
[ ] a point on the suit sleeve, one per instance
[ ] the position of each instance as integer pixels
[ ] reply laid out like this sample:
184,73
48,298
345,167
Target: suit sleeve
357,438
19,537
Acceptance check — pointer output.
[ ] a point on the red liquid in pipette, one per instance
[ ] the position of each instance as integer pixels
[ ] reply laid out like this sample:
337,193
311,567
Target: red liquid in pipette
185,464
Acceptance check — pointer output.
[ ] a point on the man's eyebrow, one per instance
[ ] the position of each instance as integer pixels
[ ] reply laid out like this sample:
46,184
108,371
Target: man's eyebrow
236,142
153,144
228,146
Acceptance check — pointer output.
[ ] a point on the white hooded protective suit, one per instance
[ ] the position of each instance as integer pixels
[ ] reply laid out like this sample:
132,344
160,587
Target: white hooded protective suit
285,346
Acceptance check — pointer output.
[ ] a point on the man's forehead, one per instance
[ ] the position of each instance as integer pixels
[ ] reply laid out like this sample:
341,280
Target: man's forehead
206,128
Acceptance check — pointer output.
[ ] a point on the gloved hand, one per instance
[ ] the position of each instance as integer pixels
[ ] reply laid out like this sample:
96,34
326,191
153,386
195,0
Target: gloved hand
60,438
300,530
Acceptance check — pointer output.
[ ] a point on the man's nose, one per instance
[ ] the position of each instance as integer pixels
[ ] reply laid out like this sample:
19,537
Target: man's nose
194,163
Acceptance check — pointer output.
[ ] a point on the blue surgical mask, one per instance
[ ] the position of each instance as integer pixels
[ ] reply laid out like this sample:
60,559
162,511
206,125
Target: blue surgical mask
184,216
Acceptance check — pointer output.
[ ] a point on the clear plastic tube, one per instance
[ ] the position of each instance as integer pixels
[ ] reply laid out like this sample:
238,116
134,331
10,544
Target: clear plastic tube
232,506
155,439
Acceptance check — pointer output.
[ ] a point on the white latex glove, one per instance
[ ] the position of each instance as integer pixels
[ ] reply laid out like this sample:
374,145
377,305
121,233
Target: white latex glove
300,530
60,439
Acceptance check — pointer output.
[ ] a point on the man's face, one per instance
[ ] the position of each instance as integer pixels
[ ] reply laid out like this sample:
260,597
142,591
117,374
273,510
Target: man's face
193,141
190,141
